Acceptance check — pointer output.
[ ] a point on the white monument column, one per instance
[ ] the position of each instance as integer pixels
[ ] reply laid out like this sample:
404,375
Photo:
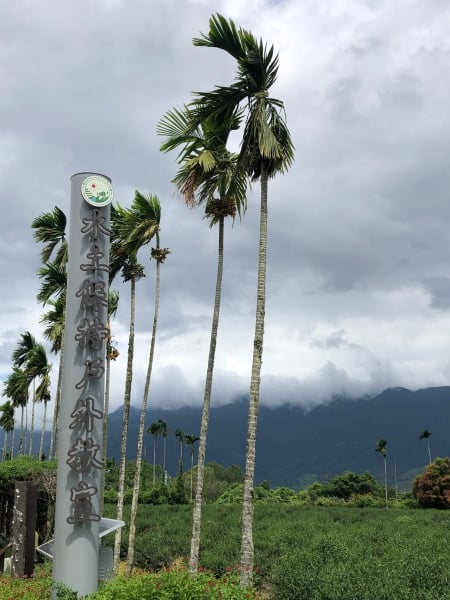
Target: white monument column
80,426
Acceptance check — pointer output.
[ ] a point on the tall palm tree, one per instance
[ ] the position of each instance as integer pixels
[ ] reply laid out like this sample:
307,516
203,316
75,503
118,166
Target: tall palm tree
146,213
191,439
179,434
154,430
209,174
266,149
50,229
111,355
164,431
32,356
53,321
425,435
123,259
16,389
6,423
21,357
381,448
53,292
43,395
39,368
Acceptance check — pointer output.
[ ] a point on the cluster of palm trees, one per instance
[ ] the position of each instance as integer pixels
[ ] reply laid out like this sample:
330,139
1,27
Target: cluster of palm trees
28,381
159,428
381,449
211,175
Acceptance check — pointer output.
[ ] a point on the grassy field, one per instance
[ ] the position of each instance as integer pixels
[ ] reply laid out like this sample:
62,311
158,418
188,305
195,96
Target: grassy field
314,552
301,553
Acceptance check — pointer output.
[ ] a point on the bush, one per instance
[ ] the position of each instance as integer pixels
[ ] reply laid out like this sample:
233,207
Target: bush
432,488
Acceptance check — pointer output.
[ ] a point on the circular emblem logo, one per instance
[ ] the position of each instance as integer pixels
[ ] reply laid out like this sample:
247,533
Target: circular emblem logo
97,190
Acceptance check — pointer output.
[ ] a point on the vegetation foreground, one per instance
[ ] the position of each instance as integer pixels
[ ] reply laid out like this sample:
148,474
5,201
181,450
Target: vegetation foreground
301,553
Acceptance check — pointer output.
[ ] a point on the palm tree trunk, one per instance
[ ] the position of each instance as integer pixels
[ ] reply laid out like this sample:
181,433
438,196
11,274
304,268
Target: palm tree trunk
429,451
197,511
249,476
126,416
44,423
105,421
385,482
192,474
140,442
33,405
13,441
20,448
54,437
164,460
154,461
5,439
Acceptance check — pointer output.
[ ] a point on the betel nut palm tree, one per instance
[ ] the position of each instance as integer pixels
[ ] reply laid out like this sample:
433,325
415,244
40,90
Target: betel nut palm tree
179,434
381,448
146,213
6,423
208,174
266,150
16,389
154,429
50,229
425,435
52,293
32,356
123,259
191,439
21,358
111,355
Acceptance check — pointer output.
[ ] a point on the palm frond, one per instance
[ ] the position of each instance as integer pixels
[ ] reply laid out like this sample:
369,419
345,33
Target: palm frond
223,34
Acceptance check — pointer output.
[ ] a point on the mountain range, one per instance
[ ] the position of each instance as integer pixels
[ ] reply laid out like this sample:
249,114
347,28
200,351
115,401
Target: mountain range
296,446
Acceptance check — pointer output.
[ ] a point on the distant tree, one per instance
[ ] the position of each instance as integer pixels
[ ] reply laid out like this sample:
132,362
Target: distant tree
381,449
6,423
179,434
432,488
16,389
164,430
348,484
154,430
425,435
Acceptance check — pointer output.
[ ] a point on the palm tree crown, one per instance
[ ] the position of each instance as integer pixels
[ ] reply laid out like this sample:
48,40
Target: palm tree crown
266,142
50,229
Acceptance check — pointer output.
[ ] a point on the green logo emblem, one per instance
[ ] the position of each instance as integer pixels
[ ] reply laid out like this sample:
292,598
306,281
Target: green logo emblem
97,190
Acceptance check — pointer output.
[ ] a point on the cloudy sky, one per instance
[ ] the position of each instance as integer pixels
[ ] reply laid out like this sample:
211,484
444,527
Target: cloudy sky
358,292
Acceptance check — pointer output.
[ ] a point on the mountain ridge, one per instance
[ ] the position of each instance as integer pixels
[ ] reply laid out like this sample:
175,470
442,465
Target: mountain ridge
297,446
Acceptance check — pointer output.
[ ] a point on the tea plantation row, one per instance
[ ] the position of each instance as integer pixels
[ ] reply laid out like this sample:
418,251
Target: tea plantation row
311,552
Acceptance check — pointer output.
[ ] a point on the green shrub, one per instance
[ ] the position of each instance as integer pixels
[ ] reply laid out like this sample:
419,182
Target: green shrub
432,488
175,582
365,501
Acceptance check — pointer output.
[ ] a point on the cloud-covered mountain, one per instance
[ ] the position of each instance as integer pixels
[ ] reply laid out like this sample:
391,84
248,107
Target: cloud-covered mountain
296,447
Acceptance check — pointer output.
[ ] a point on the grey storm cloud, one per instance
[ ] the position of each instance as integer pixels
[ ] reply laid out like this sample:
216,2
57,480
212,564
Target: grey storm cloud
358,259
